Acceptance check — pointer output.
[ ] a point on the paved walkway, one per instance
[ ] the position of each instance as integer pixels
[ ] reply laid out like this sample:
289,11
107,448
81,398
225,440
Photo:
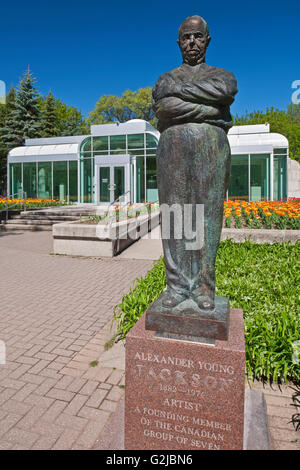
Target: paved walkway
55,317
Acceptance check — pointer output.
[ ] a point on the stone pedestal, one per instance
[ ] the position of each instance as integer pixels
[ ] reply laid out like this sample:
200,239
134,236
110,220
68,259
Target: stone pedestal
185,394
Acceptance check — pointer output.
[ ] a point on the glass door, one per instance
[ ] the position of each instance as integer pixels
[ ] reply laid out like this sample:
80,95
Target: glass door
119,181
111,183
104,176
259,177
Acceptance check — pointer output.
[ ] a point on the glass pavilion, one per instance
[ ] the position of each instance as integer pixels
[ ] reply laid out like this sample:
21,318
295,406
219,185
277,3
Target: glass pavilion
120,160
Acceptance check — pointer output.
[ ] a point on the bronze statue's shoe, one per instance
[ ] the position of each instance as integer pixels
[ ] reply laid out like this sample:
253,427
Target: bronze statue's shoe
171,299
204,302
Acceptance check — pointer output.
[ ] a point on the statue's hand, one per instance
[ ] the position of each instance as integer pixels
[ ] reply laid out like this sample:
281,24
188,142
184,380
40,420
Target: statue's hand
169,107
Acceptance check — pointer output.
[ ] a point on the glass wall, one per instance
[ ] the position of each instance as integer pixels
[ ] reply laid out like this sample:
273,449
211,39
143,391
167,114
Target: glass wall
151,182
86,181
259,177
29,179
142,146
15,181
60,181
280,174
73,181
140,179
45,180
239,178
250,177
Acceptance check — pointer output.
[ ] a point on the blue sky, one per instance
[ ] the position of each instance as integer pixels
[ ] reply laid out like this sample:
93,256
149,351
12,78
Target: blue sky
82,50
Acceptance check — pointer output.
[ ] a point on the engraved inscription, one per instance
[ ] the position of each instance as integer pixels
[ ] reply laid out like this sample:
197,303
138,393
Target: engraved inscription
183,385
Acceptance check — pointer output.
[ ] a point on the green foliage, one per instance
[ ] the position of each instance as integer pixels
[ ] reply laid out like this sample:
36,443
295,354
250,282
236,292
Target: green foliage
49,118
27,114
131,105
66,119
261,279
23,119
30,204
5,116
140,296
94,363
282,122
70,120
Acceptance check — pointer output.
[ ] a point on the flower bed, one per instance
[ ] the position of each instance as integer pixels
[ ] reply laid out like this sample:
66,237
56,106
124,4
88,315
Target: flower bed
280,215
119,213
31,203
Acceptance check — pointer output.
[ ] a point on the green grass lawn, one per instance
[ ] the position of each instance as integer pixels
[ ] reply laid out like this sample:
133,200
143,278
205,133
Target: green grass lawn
261,279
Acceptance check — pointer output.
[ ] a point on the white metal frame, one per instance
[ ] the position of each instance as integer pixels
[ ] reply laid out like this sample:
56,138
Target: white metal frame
112,161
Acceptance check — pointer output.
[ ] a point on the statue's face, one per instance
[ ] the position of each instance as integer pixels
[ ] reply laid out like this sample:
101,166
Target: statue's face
193,41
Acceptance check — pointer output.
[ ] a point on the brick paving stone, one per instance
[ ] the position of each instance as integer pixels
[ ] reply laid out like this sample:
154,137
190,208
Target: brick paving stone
54,411
72,422
72,372
115,394
83,366
12,383
93,414
39,400
34,379
64,382
76,404
45,326
5,445
105,386
46,386
47,429
89,387
96,398
31,418
98,373
44,443
108,405
66,440
25,391
17,407
90,434
19,436
46,356
58,394
20,371
7,423
27,360
115,377
39,367
50,373
76,384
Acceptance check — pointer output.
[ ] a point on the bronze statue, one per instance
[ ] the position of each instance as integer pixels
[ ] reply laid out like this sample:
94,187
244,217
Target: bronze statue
192,103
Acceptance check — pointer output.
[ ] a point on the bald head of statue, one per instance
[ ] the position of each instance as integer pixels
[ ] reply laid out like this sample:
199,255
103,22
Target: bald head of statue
193,40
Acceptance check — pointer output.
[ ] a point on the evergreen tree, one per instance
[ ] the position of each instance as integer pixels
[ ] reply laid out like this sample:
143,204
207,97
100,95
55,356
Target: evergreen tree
74,123
49,118
5,116
24,119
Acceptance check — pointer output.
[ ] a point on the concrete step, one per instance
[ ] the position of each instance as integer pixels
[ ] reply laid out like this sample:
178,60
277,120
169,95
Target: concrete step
30,222
55,218
31,228
56,213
